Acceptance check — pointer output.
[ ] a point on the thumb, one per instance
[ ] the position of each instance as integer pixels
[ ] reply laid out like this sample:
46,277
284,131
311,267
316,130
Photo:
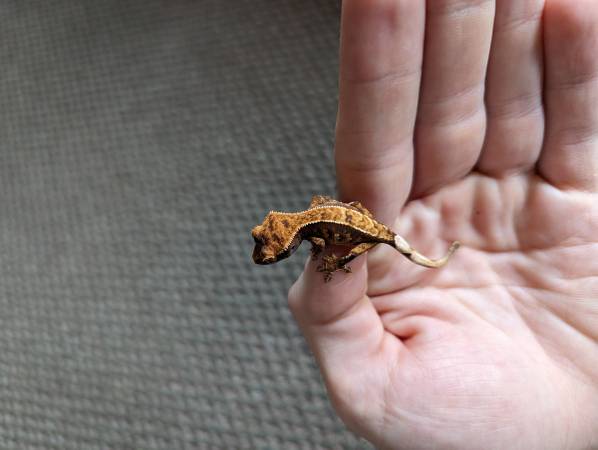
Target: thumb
337,318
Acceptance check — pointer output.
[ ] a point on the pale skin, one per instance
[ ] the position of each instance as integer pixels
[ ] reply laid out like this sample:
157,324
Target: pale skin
485,132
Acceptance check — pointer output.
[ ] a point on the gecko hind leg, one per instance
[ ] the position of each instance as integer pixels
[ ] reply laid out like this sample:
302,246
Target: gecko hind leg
355,252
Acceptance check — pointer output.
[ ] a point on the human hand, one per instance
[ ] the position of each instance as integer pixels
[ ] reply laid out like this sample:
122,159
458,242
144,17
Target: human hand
485,132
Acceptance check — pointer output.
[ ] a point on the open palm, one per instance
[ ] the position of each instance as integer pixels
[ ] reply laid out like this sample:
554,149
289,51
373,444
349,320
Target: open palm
477,122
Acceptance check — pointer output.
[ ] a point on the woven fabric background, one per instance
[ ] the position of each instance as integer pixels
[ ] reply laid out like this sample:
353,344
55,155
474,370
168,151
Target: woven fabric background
140,142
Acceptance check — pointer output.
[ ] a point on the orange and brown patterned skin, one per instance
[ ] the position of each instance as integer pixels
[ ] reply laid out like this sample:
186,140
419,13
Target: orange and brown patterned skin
329,222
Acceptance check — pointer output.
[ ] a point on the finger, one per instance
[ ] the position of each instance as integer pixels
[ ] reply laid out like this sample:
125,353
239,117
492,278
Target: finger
570,155
337,318
515,113
380,64
451,119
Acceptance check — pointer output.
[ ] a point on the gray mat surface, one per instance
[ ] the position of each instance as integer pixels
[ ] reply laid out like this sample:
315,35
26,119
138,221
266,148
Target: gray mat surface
140,142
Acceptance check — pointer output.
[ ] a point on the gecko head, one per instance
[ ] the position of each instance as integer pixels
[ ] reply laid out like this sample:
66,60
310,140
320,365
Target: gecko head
265,251
275,239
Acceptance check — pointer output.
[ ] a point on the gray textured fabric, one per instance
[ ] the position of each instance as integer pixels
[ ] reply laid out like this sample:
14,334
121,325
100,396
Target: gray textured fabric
140,142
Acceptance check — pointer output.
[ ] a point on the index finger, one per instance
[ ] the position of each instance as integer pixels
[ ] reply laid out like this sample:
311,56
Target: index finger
380,67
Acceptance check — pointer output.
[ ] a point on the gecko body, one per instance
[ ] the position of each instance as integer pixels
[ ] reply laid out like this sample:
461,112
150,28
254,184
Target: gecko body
328,222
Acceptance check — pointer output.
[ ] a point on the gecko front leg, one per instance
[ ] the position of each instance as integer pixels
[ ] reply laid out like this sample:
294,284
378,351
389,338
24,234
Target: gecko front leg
317,246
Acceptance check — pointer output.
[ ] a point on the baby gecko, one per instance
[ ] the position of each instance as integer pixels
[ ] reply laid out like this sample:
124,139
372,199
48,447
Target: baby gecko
330,222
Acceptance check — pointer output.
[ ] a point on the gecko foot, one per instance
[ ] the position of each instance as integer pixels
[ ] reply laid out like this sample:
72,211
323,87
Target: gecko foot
330,264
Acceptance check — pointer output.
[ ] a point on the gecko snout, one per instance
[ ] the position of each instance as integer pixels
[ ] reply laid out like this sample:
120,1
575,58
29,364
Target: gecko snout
261,257
258,258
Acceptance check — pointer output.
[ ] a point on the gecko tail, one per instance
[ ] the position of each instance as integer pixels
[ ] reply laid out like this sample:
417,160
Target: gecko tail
403,246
